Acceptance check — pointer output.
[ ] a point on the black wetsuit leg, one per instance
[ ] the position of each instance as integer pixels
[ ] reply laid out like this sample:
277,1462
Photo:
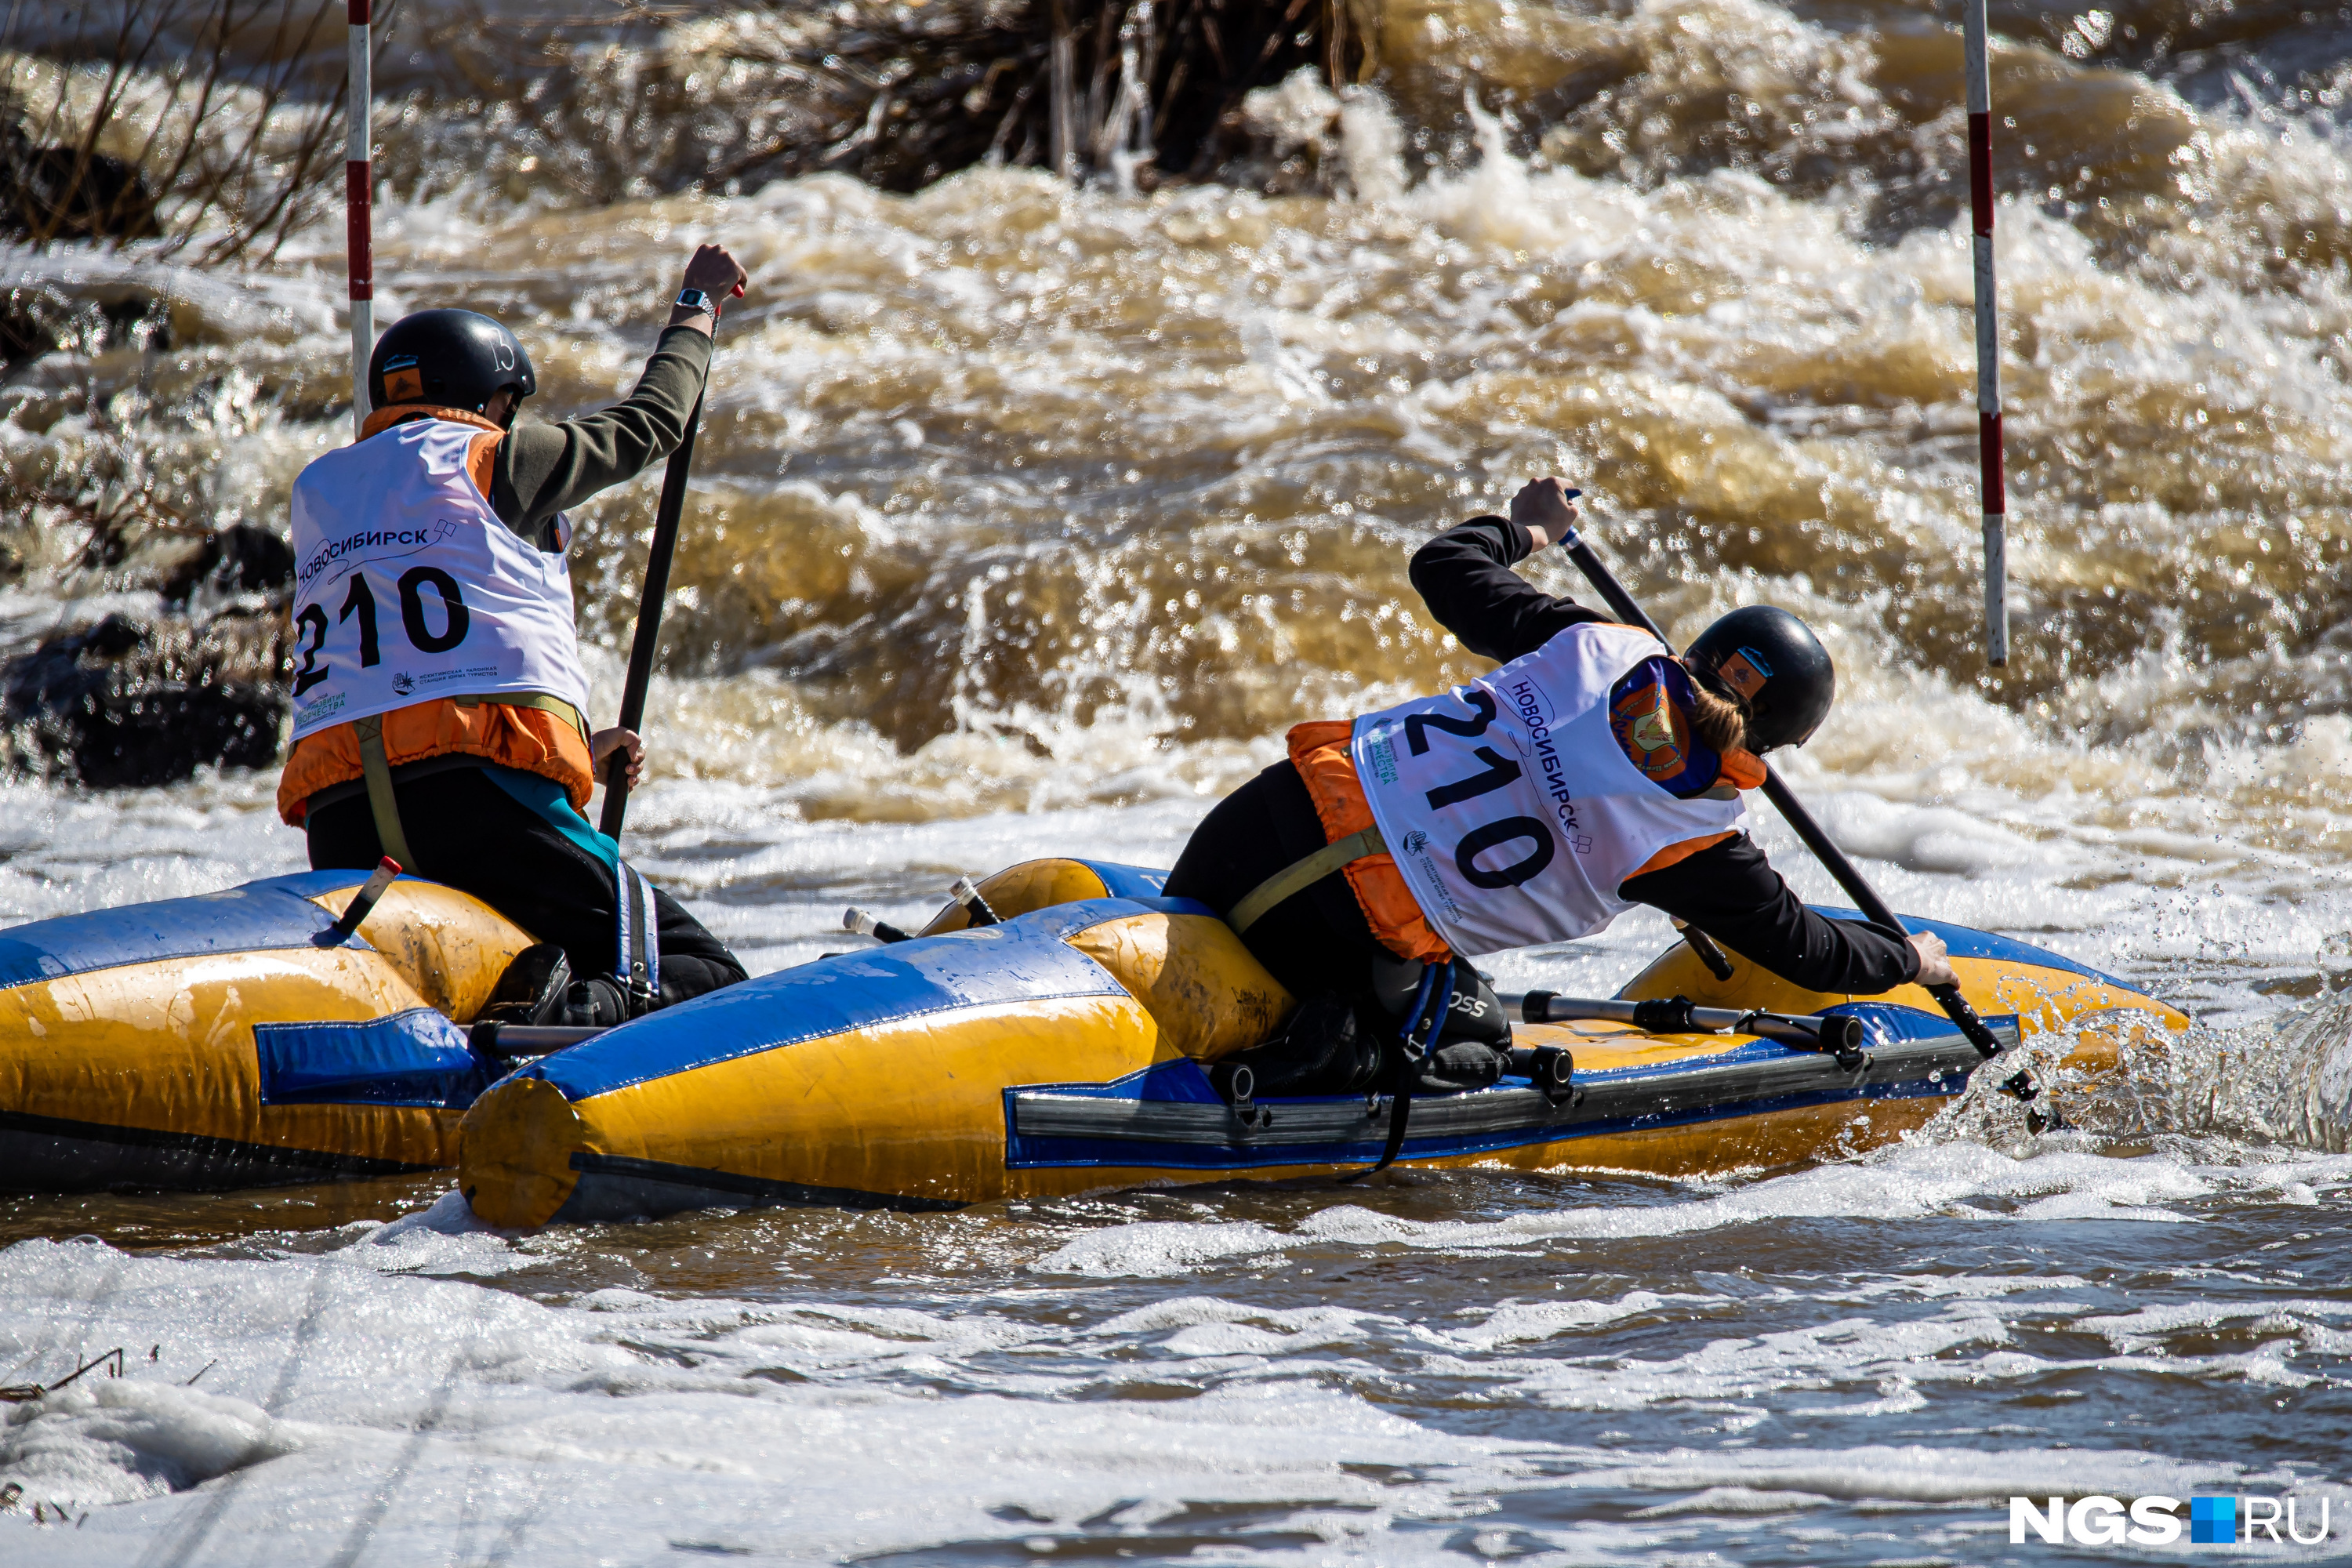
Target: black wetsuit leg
1315,942
1318,942
467,832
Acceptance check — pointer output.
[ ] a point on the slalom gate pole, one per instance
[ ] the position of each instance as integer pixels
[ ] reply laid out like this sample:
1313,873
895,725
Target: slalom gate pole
649,614
1865,897
1991,483
358,192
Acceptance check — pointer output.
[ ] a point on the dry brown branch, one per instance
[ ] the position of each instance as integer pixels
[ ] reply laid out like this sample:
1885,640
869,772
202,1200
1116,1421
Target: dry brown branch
204,122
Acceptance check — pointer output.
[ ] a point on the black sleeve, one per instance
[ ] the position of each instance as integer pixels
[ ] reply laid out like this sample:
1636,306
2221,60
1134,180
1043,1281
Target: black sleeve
1464,577
1731,892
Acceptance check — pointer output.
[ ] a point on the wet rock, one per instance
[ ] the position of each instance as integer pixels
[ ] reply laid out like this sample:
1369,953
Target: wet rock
70,193
238,559
126,703
39,318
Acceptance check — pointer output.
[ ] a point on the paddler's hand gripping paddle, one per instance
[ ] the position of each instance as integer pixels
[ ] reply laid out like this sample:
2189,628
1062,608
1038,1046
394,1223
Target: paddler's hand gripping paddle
1865,897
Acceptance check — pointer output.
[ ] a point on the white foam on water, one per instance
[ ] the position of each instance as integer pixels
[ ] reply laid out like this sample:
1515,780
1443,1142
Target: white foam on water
1716,1501
1158,1248
70,853
1205,1326
1750,1375
1516,1322
443,1238
1911,1180
2151,1326
1922,1474
411,1417
1939,1286
417,1420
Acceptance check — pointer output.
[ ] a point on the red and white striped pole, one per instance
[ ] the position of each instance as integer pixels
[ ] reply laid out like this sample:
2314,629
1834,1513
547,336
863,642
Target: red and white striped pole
1989,461
360,234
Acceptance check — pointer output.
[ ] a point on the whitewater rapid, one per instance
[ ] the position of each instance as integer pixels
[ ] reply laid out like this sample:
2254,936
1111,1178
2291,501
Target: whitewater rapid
1026,520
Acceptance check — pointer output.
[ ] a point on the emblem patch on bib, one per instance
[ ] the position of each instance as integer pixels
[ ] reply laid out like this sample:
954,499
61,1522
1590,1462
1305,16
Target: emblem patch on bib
1653,736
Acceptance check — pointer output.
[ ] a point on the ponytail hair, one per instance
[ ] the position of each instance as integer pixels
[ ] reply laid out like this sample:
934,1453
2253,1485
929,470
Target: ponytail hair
1720,724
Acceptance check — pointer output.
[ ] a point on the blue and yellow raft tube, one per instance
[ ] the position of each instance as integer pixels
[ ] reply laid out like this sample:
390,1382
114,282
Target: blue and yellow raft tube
238,1039
241,1039
1071,1046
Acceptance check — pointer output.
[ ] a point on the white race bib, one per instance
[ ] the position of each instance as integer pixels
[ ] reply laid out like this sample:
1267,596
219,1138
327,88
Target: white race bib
1507,804
407,587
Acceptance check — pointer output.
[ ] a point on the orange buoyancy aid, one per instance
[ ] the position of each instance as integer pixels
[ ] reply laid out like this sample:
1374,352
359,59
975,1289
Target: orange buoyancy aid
548,741
530,739
1321,752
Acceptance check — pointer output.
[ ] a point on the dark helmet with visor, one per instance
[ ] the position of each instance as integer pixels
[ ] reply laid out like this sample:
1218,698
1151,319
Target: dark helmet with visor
1772,664
452,359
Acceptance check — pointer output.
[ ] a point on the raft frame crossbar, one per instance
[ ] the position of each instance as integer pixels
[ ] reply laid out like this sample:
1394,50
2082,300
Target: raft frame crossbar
1840,1034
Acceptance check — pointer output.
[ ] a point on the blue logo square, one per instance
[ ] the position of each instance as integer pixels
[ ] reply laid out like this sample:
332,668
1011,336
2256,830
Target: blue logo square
2212,1521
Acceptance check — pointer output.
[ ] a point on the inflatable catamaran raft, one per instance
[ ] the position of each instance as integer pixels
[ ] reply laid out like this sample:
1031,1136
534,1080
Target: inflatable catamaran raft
1079,1043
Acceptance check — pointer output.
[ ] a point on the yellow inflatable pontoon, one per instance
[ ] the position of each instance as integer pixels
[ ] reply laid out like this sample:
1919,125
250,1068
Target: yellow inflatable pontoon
240,1039
1071,1047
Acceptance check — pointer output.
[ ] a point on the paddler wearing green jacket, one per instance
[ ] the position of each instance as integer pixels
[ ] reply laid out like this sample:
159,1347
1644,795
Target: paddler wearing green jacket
440,704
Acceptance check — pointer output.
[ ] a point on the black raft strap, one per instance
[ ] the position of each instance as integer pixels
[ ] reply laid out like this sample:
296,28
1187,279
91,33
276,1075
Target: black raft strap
638,965
1430,1005
1400,1114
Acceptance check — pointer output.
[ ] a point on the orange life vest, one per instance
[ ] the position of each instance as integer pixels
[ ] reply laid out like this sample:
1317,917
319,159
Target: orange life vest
534,739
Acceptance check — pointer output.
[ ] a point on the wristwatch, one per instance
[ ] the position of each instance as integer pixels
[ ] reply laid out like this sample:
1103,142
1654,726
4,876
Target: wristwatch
698,299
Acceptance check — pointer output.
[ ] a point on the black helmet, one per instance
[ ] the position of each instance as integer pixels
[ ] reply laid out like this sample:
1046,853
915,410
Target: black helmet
456,359
1774,666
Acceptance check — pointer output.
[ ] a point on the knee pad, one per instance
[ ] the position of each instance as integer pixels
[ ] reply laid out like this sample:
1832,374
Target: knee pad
1322,1050
1472,1012
533,989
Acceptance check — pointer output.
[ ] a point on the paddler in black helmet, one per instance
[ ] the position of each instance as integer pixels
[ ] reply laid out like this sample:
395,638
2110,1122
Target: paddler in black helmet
1592,771
440,706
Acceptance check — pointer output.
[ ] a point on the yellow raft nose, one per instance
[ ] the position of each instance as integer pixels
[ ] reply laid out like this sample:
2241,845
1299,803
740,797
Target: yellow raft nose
873,1078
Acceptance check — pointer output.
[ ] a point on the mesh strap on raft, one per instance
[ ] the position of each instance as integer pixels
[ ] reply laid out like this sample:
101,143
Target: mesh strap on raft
1301,875
638,963
376,768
